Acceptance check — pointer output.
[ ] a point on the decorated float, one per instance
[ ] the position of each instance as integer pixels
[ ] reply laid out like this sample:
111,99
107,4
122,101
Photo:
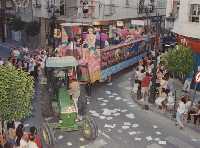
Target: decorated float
100,54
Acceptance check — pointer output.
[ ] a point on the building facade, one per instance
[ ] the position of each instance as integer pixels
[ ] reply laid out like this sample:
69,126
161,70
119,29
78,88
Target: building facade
184,17
106,10
93,11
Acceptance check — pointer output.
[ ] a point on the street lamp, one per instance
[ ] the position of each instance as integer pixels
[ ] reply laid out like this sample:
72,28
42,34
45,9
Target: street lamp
2,19
152,96
52,10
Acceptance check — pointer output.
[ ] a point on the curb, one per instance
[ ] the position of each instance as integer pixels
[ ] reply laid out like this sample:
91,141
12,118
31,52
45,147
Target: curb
153,109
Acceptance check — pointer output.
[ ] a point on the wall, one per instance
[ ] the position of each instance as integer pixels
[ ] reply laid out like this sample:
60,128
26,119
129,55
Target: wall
117,9
43,11
182,25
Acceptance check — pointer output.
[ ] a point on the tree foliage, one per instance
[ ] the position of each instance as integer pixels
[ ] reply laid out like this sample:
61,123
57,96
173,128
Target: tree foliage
16,91
179,60
32,28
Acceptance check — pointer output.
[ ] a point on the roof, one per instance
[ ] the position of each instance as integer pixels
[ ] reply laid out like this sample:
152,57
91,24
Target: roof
61,62
74,24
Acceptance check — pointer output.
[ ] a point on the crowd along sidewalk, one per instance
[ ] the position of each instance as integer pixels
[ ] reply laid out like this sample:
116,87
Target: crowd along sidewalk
171,115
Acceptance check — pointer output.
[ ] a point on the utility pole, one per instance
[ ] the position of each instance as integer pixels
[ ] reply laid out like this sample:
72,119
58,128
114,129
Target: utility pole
3,19
152,96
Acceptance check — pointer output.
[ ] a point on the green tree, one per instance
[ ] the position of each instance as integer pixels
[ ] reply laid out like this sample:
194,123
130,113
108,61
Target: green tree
179,60
16,91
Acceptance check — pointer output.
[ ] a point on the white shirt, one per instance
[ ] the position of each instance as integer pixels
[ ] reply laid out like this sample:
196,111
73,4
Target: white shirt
31,67
181,107
23,143
32,144
140,67
141,76
187,106
1,62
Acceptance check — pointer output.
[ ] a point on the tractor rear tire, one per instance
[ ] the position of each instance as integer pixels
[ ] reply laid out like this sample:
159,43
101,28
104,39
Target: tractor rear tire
47,135
89,129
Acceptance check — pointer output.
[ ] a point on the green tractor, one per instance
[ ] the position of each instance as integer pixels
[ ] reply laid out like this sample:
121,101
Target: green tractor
58,73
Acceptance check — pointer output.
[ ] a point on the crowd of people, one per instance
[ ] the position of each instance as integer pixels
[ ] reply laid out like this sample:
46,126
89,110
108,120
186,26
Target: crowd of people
23,58
165,91
16,137
32,62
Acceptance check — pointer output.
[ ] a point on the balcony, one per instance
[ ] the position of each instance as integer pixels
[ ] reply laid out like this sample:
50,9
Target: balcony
172,17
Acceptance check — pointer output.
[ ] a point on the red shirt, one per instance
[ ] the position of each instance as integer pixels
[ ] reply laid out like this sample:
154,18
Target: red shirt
38,141
146,81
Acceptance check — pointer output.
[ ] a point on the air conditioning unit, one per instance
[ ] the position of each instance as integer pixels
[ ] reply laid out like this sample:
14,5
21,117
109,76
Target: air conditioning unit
36,4
109,10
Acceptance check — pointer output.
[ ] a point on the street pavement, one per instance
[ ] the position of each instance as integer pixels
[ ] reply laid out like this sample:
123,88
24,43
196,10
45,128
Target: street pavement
123,124
4,51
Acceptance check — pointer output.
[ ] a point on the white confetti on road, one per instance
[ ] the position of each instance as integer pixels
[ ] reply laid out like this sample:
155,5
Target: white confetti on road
102,117
135,125
103,104
157,139
155,126
123,111
118,98
69,143
109,84
127,123
125,127
82,139
60,137
106,101
137,139
110,126
162,142
100,99
131,116
108,92
109,118
116,114
115,94
149,138
133,133
158,133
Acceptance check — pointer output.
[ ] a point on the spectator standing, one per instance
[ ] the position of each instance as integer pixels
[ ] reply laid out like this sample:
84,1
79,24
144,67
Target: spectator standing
145,86
187,83
1,61
180,112
31,142
19,134
37,140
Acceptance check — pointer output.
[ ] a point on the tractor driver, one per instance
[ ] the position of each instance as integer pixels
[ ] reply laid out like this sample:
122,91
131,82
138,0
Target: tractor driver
74,90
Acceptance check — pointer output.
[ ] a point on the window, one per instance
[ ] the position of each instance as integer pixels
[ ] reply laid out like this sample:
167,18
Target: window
127,2
195,13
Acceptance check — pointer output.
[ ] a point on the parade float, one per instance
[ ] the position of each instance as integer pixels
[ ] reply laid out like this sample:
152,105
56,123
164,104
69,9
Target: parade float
99,55
62,84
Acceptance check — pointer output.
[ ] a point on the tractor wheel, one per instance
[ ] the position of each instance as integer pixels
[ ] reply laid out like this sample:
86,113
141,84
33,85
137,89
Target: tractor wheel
89,129
47,135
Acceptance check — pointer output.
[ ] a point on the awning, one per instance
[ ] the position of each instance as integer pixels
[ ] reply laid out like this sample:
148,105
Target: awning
61,62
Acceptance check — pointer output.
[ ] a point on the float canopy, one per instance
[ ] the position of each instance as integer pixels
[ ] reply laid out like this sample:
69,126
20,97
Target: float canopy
61,62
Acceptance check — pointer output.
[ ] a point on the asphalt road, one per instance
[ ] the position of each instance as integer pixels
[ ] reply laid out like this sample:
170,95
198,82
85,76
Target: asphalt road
123,124
4,51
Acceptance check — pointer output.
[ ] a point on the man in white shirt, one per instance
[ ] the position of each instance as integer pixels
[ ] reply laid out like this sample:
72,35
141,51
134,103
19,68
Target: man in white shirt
180,112
1,61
